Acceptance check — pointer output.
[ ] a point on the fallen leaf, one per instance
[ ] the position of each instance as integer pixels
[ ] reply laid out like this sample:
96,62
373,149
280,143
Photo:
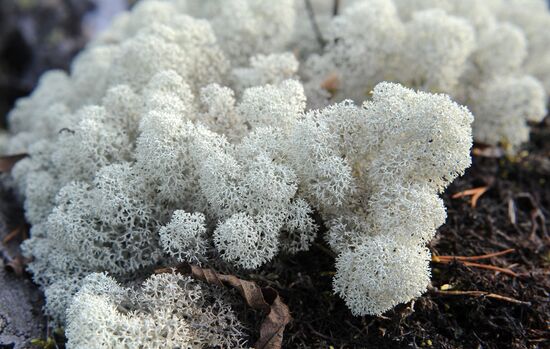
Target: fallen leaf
14,265
331,83
7,162
265,299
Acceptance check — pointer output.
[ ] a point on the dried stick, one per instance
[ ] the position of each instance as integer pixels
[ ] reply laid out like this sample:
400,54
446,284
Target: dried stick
491,267
336,7
482,294
475,193
316,30
475,258
507,271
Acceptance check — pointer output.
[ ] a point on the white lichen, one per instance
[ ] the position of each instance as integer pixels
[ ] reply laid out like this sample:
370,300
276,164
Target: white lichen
166,311
222,132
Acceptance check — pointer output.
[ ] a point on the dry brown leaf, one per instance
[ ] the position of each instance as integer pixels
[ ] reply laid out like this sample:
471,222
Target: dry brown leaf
7,162
14,265
261,298
331,83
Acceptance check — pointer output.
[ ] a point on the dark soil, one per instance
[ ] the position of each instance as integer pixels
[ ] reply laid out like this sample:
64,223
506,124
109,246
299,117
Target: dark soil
21,318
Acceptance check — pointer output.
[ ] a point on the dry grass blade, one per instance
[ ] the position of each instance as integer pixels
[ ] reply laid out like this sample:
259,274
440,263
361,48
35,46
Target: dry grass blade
11,235
465,260
512,211
475,193
474,258
261,298
491,267
7,162
482,294
19,232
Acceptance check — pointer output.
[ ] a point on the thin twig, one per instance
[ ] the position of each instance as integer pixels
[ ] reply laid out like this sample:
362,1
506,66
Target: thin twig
535,213
475,193
316,30
507,271
12,235
491,267
336,7
482,294
475,258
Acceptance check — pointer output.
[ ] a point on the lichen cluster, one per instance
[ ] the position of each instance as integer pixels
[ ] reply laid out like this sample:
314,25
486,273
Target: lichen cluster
493,56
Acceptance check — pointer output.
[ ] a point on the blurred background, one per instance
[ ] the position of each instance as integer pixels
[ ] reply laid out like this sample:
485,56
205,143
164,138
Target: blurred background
38,35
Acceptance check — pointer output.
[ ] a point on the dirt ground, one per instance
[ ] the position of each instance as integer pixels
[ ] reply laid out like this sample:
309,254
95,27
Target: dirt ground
21,318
